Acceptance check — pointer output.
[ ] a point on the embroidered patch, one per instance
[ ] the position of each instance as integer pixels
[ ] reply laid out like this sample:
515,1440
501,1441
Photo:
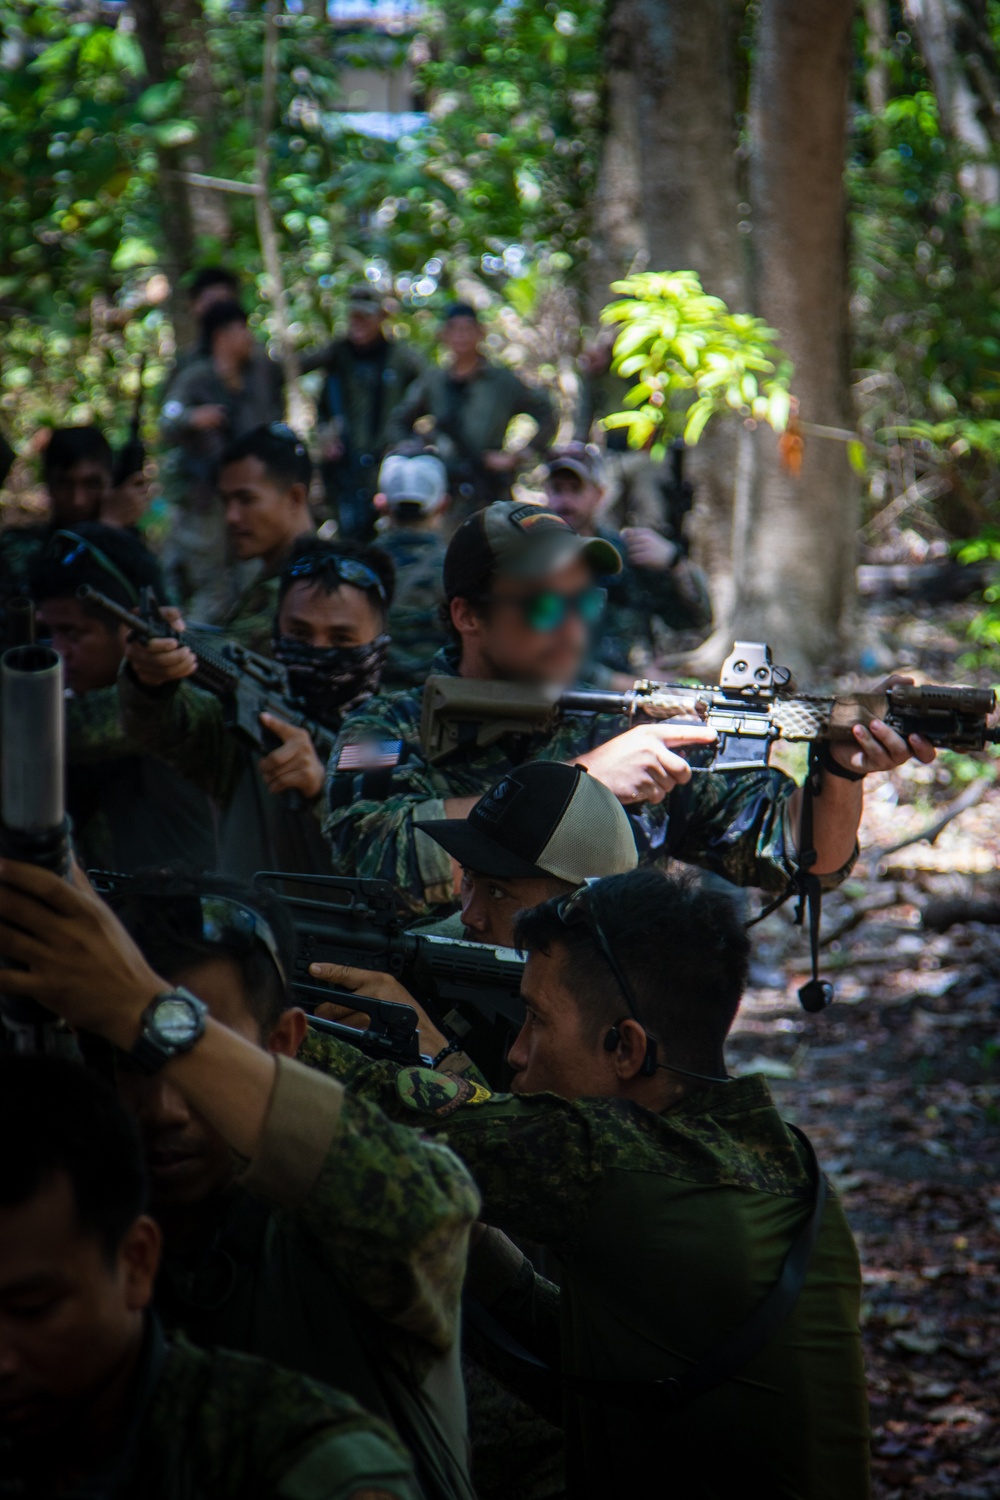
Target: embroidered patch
531,517
370,755
495,802
430,1093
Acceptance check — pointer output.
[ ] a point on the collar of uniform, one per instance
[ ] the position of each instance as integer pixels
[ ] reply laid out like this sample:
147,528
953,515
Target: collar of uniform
445,663
738,1096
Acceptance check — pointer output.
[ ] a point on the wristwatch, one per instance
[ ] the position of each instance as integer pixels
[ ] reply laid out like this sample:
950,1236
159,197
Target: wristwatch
171,1024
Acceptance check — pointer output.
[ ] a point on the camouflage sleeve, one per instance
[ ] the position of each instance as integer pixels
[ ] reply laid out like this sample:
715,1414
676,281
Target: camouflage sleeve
374,830
735,825
389,1208
184,727
94,731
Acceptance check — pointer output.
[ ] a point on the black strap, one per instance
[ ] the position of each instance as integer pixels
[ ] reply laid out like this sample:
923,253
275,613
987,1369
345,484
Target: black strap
657,1397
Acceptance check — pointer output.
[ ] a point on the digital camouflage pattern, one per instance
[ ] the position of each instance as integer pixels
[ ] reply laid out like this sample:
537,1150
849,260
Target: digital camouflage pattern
224,1426
415,629
185,727
732,825
250,620
642,1211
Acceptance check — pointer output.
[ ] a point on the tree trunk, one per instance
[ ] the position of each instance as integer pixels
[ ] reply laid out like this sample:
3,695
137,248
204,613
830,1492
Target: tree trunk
938,24
876,53
618,234
685,105
795,563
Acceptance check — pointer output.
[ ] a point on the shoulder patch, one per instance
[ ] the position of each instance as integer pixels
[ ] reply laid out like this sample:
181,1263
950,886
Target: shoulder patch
370,755
440,1094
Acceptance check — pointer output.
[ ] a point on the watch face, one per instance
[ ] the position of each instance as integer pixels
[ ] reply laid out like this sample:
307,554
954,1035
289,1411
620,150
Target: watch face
175,1020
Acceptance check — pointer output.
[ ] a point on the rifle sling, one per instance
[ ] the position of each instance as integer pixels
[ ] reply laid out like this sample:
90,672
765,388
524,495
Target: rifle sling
727,1360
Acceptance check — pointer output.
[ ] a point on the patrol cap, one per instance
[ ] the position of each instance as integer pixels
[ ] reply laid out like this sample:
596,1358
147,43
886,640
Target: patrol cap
418,479
542,819
583,459
365,298
518,540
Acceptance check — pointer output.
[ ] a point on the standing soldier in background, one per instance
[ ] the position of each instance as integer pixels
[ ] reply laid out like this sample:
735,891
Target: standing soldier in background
77,468
413,492
365,375
472,403
229,389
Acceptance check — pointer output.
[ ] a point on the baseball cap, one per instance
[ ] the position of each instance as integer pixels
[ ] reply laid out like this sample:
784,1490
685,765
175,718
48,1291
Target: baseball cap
580,458
418,479
519,541
541,819
365,298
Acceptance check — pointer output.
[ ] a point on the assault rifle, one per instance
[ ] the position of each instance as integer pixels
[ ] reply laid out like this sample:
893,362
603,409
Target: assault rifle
470,990
246,684
750,710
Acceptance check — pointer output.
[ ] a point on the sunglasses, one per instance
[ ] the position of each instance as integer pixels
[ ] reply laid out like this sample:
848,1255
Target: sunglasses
577,910
78,547
287,435
347,569
219,920
548,610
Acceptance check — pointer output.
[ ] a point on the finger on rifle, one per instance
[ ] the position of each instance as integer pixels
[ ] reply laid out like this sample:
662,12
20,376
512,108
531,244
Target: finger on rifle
47,888
672,768
285,732
21,982
876,756
669,732
16,943
358,1019
295,779
283,755
922,749
344,974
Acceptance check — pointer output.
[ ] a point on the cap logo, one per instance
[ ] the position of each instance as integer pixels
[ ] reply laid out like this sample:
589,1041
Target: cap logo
492,806
532,517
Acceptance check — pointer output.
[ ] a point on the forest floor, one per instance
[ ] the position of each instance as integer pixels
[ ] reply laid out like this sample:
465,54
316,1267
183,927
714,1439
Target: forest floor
898,1084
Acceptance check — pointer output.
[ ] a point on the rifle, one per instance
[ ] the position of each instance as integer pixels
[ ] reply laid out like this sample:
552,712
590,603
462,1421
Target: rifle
471,990
750,710
246,684
34,827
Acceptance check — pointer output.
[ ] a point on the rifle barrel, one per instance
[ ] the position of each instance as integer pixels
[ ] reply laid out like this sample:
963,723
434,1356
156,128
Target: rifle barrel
31,694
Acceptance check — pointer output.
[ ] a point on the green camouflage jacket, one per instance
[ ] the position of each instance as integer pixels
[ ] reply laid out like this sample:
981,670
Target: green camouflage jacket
669,1229
250,620
733,825
415,629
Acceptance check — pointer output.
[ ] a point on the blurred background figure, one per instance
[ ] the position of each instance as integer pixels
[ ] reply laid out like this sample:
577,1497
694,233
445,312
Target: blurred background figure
471,402
413,497
229,388
77,475
365,375
659,593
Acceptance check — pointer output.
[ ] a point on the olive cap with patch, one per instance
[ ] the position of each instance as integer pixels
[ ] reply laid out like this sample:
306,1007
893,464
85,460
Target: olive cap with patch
517,540
545,818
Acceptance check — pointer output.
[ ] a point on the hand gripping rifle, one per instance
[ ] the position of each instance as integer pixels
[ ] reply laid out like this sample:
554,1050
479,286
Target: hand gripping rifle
247,685
470,990
750,710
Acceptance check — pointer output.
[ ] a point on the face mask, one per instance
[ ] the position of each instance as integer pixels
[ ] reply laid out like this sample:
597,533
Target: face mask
331,681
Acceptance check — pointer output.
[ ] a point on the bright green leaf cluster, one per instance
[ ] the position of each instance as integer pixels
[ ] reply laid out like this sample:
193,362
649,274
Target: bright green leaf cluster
692,359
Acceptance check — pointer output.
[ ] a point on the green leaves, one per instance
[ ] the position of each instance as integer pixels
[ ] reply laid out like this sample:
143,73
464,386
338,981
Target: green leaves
694,359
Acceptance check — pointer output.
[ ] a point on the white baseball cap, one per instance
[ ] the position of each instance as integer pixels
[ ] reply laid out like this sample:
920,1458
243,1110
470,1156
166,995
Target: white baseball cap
420,479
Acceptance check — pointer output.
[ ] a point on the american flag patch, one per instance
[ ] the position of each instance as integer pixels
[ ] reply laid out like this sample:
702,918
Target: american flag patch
370,755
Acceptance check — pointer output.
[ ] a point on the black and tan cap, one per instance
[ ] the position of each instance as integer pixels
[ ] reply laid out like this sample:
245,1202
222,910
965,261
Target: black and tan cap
517,540
541,819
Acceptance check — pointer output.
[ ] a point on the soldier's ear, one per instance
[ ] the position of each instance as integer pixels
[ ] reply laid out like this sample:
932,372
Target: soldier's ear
139,1258
288,1033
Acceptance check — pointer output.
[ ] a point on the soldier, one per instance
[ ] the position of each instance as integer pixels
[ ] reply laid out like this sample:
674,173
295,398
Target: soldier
658,592
324,1238
77,467
413,493
707,1314
365,376
472,403
521,589
128,808
328,630
93,1399
230,389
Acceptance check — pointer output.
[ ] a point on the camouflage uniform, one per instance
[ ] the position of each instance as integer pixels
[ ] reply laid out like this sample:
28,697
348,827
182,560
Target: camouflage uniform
250,620
414,626
340,1253
222,1426
643,1212
184,728
646,606
733,825
20,547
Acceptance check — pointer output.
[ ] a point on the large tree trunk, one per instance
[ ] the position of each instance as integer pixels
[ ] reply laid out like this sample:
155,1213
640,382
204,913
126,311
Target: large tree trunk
795,558
618,235
939,25
677,81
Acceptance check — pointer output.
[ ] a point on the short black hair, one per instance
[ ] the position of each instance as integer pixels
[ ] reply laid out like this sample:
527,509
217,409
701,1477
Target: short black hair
57,1116
62,567
318,551
213,276
129,459
219,315
681,946
281,451
460,310
156,908
72,445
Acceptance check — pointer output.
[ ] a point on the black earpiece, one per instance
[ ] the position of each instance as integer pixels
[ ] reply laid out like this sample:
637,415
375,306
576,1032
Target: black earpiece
612,1039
